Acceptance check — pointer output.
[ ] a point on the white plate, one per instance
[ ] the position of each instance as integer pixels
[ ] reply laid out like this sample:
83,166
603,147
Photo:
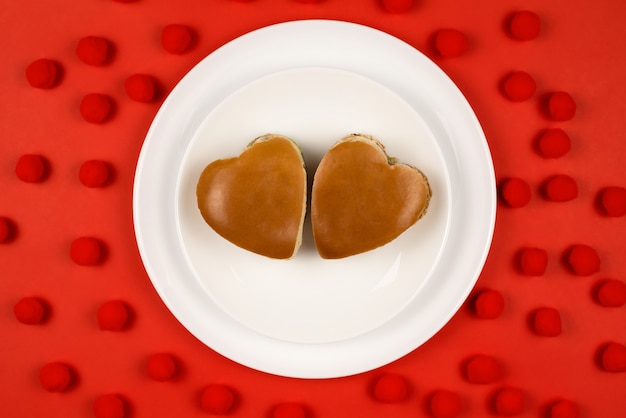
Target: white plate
315,81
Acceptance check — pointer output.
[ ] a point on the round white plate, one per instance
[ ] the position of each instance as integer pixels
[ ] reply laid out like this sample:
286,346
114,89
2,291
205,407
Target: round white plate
315,81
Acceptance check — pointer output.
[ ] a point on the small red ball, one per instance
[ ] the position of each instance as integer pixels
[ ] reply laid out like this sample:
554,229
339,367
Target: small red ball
55,377
518,86
515,192
141,87
390,388
524,25
560,188
449,43
533,261
6,230
582,260
613,358
546,322
289,410
96,108
613,201
444,404
43,73
109,406
29,311
488,304
176,39
482,369
113,316
553,143
94,173
397,6
509,401
161,367
611,293
560,106
217,399
86,251
93,50
31,168
563,409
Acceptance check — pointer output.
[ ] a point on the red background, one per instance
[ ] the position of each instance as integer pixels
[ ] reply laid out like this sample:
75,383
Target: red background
579,50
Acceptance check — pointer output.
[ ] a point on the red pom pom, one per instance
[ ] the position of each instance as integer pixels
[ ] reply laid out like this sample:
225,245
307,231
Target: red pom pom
482,369
29,311
141,87
509,402
43,73
390,388
524,25
6,229
449,43
613,201
96,107
546,322
86,251
93,50
518,86
560,106
289,410
613,358
113,316
55,377
582,260
533,261
611,293
217,399
397,6
31,168
161,367
563,409
176,39
553,143
109,406
560,188
488,304
515,192
94,173
444,404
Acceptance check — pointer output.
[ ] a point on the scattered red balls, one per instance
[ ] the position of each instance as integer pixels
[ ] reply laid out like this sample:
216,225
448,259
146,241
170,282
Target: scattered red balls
55,377
582,260
563,409
509,401
611,293
524,25
31,168
488,304
109,406
518,86
553,143
613,358
390,388
96,108
161,367
94,173
450,43
141,87
482,369
217,399
30,311
289,410
546,322
176,39
113,316
397,6
94,50
560,106
613,201
43,73
86,251
444,404
533,261
560,188
515,192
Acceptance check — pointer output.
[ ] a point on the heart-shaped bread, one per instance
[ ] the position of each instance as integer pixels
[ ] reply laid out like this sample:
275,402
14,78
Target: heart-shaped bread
257,200
363,199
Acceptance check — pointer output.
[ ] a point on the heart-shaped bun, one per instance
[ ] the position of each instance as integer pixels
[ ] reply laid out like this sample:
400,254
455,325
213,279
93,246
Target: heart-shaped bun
362,199
257,200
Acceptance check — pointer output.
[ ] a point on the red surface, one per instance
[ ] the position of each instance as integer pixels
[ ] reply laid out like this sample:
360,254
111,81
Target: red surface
579,50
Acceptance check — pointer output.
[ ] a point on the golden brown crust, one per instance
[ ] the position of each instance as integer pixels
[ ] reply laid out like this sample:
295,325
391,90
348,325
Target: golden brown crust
362,199
257,201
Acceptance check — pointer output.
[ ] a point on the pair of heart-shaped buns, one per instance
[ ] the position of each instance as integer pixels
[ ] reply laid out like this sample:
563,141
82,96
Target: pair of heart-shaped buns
361,198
